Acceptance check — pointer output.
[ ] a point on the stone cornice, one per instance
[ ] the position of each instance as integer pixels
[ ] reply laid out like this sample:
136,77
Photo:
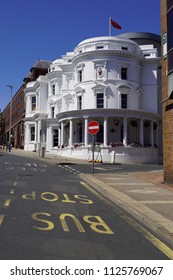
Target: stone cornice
92,113
105,53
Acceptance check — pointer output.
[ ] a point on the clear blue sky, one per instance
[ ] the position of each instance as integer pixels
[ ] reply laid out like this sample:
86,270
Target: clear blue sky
47,29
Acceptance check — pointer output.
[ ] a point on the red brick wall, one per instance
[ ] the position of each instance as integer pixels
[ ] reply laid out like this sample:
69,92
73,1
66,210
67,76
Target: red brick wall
167,108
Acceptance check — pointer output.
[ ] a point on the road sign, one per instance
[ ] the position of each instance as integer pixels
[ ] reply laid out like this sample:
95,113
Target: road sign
93,127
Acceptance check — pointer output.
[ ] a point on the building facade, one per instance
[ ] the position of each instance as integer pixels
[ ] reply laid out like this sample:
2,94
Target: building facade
17,107
113,80
167,88
17,113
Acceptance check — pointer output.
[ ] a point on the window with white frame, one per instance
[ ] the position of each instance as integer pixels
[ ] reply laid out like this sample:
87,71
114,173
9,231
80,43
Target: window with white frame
53,89
33,103
124,73
52,112
55,138
80,75
79,102
32,133
100,100
123,101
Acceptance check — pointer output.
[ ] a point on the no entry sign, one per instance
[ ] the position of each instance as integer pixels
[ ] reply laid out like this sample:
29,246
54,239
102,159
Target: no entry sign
93,127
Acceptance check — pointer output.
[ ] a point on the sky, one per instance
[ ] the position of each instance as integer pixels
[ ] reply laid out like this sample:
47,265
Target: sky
47,29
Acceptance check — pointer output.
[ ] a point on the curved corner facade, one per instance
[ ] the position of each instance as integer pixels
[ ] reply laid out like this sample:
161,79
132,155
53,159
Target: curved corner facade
113,80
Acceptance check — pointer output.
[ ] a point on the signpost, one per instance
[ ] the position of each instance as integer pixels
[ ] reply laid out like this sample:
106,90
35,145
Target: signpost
93,129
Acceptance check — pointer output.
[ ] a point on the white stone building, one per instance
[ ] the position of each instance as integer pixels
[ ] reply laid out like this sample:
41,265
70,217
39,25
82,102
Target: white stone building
114,80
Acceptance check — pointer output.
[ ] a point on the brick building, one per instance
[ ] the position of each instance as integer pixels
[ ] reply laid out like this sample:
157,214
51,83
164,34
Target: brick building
18,108
167,87
17,116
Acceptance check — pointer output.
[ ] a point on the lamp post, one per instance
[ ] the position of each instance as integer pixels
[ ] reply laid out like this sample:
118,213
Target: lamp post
11,90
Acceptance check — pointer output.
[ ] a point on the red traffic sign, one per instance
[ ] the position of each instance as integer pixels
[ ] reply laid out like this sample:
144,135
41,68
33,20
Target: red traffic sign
93,127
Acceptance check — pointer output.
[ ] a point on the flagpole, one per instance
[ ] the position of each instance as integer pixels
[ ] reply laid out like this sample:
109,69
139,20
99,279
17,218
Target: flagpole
109,26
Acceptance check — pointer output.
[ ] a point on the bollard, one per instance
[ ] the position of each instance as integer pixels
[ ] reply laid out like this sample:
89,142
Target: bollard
113,157
43,149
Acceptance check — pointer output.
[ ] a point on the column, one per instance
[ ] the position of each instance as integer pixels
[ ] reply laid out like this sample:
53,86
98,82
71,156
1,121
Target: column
142,132
86,132
151,134
105,136
36,147
29,104
71,133
26,136
38,132
125,131
157,134
62,133
59,136
49,138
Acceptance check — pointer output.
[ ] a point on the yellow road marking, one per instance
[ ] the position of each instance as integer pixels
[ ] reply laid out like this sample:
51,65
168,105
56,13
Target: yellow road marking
1,219
7,203
150,237
94,192
154,240
12,191
15,184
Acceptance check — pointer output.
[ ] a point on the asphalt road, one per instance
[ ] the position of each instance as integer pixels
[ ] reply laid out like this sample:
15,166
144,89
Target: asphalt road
47,213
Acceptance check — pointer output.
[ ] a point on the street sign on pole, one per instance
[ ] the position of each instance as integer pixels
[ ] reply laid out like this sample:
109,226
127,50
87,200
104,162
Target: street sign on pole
93,128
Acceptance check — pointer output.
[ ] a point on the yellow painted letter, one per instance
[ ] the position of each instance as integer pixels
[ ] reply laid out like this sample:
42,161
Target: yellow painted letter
30,196
49,224
64,223
54,196
83,199
67,199
97,224
1,219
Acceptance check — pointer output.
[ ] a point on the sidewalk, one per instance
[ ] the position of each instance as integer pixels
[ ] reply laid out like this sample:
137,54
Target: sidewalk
141,194
149,203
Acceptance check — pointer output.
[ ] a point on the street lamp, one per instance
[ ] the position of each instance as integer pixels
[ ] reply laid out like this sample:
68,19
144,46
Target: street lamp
11,90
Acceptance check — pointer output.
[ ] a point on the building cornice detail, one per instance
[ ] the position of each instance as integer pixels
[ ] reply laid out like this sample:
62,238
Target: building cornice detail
106,53
127,113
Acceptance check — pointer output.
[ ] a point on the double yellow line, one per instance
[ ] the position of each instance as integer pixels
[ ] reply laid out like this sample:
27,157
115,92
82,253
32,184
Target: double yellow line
150,237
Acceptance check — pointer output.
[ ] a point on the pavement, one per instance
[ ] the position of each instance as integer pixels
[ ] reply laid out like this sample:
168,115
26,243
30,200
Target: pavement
141,194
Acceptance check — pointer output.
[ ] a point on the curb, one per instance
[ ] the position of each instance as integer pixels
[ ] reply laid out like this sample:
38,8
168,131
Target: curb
131,207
